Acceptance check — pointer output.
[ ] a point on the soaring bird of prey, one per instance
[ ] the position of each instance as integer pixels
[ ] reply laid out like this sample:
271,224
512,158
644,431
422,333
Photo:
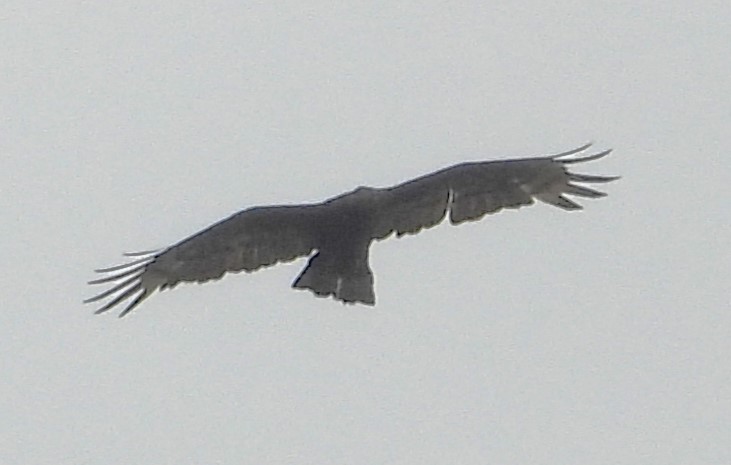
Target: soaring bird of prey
337,233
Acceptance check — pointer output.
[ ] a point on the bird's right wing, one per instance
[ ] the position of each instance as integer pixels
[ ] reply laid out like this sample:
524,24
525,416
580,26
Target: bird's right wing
246,241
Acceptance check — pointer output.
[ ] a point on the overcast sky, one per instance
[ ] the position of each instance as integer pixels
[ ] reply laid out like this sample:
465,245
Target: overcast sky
531,337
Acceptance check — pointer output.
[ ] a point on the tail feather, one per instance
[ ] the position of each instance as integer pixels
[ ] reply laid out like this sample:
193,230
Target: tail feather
348,282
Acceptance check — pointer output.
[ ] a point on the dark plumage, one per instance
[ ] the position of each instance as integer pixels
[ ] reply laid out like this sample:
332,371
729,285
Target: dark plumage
340,230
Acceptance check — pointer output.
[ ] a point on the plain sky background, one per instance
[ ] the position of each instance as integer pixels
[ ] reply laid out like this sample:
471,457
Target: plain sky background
531,337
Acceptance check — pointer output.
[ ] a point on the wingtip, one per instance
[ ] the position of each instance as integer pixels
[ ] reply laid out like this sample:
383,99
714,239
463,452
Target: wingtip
586,158
572,151
126,280
141,253
590,178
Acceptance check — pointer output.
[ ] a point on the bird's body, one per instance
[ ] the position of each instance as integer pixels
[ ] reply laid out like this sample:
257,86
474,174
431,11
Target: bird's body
340,230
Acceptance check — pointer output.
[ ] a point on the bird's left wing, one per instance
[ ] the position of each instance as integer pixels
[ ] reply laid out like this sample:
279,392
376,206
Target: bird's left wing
469,191
246,241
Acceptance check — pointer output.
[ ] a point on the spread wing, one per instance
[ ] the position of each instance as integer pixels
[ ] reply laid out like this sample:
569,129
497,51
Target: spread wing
263,236
469,191
246,241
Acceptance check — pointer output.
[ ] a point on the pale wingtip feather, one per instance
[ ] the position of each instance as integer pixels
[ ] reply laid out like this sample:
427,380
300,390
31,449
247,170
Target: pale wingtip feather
121,297
586,158
572,151
139,254
122,266
588,178
138,300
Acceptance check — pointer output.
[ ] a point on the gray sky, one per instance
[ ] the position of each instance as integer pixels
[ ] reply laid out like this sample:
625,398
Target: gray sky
531,337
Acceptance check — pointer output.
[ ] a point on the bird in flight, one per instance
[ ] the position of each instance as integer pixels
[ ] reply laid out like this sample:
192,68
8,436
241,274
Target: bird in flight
340,230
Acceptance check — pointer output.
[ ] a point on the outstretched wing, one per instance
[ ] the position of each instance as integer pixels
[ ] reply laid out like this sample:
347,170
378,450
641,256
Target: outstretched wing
246,241
469,191
263,236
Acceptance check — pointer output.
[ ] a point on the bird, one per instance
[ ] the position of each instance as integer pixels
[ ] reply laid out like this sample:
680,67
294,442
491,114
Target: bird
337,233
